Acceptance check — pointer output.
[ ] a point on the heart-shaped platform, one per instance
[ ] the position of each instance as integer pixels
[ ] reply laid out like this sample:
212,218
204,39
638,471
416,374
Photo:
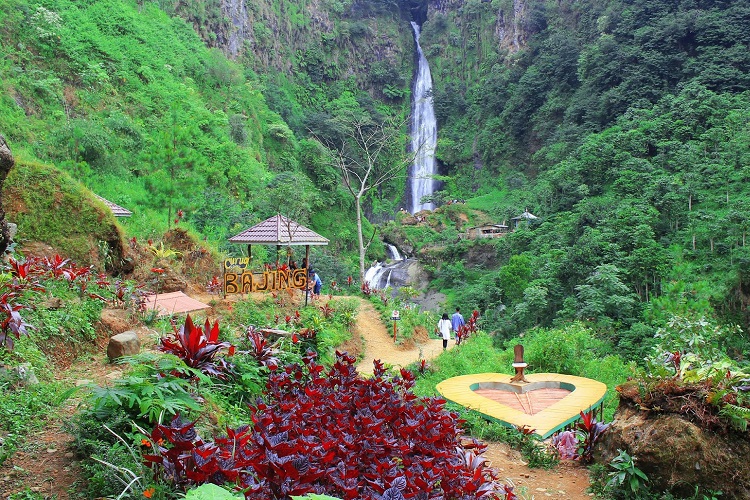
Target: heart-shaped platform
547,403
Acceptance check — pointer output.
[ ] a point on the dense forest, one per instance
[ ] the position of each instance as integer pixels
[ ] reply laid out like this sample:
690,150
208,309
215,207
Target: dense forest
622,125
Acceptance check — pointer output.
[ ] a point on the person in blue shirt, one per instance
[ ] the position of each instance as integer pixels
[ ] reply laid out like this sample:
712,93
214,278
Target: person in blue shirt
457,321
317,283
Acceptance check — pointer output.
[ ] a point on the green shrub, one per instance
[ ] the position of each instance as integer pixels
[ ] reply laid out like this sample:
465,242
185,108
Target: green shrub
475,355
560,350
22,410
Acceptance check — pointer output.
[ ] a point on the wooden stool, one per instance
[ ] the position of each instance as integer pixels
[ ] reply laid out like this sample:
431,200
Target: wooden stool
519,365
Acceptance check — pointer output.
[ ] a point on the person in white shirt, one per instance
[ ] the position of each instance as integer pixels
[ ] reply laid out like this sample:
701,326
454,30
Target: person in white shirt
444,328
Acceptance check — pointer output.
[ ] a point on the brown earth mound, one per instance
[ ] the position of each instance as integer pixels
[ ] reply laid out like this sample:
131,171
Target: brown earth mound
679,440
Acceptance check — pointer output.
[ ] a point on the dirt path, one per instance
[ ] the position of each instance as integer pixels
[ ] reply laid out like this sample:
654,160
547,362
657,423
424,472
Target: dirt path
45,463
567,480
379,342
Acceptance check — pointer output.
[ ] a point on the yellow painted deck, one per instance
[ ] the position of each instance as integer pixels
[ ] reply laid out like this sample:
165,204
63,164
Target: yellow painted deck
586,394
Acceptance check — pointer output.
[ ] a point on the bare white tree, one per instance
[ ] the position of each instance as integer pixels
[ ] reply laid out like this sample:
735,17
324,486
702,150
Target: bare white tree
369,154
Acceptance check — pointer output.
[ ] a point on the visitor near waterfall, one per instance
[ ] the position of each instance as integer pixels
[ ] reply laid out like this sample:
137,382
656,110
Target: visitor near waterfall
444,328
457,321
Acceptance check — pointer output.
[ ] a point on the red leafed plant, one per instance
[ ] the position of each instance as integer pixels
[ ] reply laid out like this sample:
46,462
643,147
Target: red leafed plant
214,286
11,322
25,275
327,310
335,433
198,347
368,290
293,319
467,329
56,265
578,444
261,349
422,366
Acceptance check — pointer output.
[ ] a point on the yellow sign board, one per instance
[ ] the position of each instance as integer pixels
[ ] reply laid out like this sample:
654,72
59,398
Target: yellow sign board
238,278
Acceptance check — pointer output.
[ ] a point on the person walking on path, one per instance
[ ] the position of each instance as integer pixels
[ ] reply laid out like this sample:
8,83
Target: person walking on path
457,321
444,328
317,283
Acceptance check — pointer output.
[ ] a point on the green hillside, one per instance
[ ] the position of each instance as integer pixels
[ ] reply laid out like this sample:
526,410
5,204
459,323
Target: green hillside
131,103
622,125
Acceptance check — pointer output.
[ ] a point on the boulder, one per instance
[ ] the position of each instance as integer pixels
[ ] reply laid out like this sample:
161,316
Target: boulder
6,163
123,344
171,281
678,455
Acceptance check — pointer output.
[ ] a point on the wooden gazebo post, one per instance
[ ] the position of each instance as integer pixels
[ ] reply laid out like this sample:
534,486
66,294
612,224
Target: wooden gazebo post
307,272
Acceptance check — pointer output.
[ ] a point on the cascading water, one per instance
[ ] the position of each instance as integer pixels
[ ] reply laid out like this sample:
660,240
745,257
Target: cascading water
423,133
379,275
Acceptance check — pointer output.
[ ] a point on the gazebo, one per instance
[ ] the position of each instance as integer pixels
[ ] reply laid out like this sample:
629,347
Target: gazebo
487,231
280,231
526,216
116,209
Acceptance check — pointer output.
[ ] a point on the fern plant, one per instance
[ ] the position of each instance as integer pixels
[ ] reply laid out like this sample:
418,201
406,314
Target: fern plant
161,252
155,389
738,416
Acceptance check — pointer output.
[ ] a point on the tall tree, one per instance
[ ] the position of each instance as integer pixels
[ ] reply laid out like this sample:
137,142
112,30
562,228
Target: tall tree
369,154
173,165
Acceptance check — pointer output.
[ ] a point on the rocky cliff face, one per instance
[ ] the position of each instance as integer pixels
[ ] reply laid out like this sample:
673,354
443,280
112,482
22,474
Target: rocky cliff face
510,31
6,163
511,28
328,40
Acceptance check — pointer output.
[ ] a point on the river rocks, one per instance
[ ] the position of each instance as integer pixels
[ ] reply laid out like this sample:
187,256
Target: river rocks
123,344
676,454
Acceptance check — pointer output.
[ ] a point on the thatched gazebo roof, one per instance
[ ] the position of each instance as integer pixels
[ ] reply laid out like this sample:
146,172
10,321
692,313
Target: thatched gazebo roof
279,230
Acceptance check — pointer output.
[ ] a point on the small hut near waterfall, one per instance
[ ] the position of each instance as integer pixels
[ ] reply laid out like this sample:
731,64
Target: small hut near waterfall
487,231
525,217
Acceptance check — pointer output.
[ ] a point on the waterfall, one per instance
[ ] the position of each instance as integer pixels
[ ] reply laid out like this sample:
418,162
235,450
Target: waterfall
379,275
373,274
423,133
393,252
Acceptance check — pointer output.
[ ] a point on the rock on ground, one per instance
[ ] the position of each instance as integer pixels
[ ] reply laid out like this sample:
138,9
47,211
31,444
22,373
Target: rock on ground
123,344
676,454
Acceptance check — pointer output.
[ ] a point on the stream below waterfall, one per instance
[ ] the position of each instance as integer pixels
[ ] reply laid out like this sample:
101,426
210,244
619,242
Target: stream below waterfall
393,272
